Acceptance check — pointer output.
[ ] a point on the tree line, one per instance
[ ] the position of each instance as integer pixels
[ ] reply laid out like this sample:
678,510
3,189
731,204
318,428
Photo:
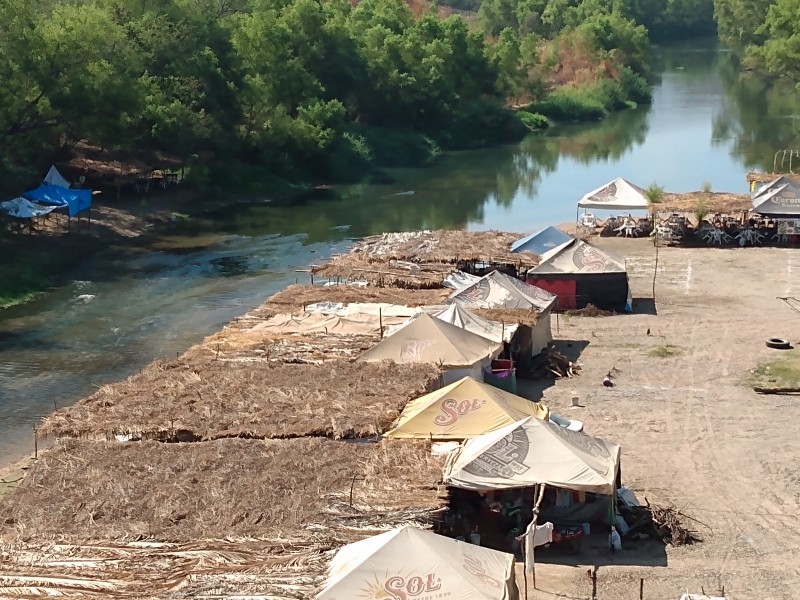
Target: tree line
254,91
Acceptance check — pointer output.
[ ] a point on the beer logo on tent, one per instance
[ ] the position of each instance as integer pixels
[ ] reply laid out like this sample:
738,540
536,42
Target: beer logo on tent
503,459
474,567
398,587
607,193
453,409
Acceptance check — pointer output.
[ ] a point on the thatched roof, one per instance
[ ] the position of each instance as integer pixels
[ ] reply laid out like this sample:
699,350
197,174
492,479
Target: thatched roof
210,399
423,259
99,163
721,202
761,177
290,499
507,315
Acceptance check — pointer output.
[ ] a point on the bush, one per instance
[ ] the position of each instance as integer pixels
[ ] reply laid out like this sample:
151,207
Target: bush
533,121
479,124
397,148
571,104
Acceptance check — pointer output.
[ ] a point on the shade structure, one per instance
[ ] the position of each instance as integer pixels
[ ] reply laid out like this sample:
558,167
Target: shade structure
531,452
429,340
456,315
54,177
780,201
408,563
542,243
462,410
618,194
55,195
580,274
770,186
22,208
498,290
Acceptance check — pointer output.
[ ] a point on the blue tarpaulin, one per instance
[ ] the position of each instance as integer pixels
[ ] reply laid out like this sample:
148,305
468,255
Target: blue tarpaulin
54,195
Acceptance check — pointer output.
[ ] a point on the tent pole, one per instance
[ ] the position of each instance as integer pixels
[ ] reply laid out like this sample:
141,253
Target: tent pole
541,488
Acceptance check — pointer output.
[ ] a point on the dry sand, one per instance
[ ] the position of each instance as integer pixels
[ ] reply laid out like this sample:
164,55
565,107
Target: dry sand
692,433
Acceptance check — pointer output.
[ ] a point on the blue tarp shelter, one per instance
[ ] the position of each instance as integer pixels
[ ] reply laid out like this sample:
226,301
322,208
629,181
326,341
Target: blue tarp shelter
542,242
54,195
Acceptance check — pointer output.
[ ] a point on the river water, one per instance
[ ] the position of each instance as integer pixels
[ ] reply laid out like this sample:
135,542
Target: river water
129,306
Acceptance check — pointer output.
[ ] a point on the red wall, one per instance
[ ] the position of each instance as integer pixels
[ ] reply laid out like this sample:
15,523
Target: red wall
565,289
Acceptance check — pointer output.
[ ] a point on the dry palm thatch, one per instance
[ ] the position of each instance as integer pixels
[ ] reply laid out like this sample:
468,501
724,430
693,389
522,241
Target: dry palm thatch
760,177
508,316
202,400
297,491
423,259
711,202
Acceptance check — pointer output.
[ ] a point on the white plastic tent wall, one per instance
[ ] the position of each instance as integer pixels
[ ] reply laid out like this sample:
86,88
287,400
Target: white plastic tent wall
54,177
411,563
618,194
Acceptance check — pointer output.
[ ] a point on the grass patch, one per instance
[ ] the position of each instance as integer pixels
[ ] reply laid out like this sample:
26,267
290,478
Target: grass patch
783,372
665,351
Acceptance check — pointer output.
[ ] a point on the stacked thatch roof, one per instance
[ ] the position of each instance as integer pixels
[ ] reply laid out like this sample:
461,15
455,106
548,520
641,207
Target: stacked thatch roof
423,259
761,177
291,499
210,399
710,202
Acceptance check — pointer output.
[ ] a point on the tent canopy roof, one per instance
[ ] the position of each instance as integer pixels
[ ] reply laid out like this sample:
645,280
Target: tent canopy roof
780,201
771,185
463,410
370,567
498,290
532,452
54,177
542,242
55,195
616,194
456,315
581,258
431,340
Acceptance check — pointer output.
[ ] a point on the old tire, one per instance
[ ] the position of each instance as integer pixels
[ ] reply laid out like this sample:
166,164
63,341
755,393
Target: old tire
778,344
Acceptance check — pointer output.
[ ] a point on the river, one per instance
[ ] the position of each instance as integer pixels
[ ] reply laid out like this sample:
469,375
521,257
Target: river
129,306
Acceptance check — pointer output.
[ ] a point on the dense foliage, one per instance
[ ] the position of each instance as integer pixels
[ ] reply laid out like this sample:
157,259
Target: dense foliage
302,89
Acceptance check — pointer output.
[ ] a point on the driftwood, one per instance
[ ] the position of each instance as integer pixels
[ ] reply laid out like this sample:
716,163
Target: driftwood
660,522
559,365
776,390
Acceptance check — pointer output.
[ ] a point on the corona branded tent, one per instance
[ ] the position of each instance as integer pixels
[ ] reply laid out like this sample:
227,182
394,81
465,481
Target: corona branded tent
782,201
461,317
429,340
770,186
411,563
532,452
616,195
462,410
542,243
497,290
581,274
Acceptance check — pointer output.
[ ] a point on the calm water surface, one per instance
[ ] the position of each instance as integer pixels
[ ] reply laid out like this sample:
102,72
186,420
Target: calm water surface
130,306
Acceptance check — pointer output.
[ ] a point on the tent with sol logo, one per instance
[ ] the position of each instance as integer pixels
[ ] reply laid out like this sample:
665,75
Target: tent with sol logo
532,452
462,410
409,563
427,339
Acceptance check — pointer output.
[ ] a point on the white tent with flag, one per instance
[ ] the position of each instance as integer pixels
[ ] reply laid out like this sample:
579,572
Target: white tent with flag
531,452
412,563
54,177
618,194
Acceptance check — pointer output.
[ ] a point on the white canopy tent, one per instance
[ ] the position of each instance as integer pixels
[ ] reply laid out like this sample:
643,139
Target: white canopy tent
532,452
618,194
411,563
22,208
54,177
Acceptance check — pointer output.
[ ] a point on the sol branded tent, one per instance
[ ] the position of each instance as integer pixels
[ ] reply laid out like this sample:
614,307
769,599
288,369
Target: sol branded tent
411,563
532,452
581,274
616,195
429,340
461,317
782,201
542,243
462,410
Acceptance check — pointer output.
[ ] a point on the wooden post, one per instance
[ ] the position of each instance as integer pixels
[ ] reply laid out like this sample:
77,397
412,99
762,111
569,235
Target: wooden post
35,443
641,589
533,530
380,320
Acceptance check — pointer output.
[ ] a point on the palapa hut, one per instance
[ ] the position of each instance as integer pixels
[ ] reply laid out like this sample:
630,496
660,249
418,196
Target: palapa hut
462,410
497,291
429,340
424,259
285,503
207,399
580,274
410,563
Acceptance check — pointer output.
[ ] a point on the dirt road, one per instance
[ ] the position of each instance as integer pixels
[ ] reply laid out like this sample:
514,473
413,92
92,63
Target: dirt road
692,433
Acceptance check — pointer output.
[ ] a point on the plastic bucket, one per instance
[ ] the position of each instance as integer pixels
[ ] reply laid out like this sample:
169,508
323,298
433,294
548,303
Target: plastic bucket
586,528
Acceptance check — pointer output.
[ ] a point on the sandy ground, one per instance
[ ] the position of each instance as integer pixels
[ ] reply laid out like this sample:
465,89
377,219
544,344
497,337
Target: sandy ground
692,434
